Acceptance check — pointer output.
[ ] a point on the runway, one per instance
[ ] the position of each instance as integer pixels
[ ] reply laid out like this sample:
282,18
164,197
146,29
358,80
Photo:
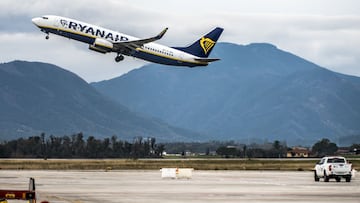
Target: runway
205,186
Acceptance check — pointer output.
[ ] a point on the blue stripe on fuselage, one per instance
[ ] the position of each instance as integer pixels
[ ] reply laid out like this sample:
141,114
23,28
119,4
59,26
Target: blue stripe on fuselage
163,60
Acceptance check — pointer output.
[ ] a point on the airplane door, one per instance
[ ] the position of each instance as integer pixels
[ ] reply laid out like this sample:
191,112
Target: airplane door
56,22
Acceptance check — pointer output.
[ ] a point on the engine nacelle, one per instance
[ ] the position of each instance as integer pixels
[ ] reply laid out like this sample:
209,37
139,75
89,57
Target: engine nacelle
101,45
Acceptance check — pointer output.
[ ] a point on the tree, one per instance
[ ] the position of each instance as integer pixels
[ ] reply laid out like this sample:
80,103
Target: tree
78,149
244,150
159,150
43,146
255,153
324,147
93,147
278,150
75,146
227,151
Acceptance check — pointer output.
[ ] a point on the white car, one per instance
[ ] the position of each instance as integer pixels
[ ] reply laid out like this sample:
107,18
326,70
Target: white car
333,167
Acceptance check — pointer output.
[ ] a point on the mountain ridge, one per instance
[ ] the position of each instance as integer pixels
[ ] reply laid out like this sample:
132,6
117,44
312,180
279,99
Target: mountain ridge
37,97
256,90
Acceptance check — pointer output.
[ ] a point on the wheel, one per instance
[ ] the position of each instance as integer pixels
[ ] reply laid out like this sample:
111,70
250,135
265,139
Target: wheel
326,178
316,177
348,179
119,58
338,179
47,37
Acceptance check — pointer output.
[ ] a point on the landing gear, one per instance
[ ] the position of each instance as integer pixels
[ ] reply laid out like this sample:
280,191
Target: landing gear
46,32
119,58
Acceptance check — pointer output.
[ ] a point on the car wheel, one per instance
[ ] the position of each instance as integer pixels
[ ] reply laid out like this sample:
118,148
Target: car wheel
316,177
326,178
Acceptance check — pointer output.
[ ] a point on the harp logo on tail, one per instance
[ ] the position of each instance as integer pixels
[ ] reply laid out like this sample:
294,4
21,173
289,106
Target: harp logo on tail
206,44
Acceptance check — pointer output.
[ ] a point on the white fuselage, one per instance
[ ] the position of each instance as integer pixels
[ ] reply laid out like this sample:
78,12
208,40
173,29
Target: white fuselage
105,40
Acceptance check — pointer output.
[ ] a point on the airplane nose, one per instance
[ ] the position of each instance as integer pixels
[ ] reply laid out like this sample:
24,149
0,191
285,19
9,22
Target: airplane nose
36,20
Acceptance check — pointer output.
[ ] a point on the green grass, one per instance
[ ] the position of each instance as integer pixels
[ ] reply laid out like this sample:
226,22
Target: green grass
150,164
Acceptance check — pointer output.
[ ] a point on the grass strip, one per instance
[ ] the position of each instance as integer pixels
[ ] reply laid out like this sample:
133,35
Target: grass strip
151,164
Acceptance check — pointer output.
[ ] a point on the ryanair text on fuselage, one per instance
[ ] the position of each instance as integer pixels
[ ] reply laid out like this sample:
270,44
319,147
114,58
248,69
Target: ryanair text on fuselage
90,30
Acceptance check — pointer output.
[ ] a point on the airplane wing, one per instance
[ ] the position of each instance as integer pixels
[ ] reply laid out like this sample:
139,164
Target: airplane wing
133,45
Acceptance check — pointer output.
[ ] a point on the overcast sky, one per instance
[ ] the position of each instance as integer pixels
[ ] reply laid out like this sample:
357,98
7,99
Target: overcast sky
326,32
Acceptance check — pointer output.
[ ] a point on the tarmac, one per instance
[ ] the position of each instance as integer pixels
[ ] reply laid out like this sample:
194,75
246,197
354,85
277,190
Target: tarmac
135,186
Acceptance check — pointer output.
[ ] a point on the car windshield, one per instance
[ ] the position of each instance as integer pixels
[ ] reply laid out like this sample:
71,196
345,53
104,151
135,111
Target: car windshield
336,160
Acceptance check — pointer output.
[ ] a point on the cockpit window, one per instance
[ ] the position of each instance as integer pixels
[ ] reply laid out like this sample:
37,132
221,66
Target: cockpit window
44,17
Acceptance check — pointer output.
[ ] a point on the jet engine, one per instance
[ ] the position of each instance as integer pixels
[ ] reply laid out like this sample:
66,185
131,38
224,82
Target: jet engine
101,45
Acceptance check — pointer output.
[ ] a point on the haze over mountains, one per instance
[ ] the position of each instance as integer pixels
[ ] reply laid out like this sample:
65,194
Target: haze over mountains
38,97
255,91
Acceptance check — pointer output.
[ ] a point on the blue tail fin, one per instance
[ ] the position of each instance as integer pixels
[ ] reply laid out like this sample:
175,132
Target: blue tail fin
204,45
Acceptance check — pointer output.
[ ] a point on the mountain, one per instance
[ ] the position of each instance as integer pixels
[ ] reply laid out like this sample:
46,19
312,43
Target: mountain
39,97
256,91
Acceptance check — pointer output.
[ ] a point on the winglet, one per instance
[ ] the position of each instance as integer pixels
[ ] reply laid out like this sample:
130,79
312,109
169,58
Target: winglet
162,33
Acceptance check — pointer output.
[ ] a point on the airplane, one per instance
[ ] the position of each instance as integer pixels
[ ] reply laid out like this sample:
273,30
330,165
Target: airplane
104,41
